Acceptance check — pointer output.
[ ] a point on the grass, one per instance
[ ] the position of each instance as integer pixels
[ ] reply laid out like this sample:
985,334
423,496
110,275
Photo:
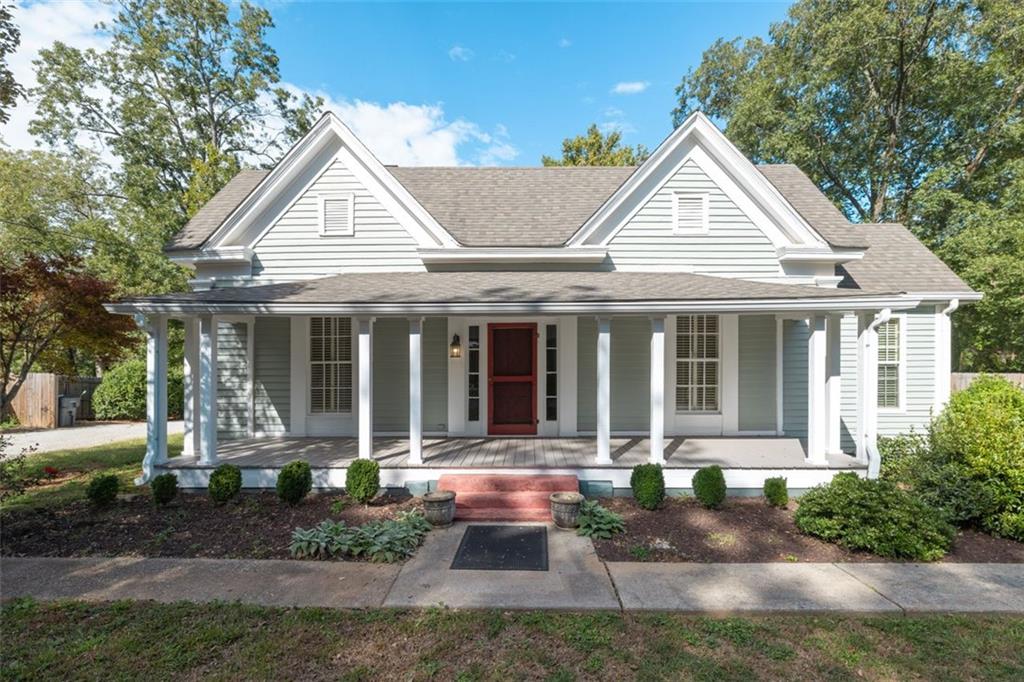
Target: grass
78,465
129,640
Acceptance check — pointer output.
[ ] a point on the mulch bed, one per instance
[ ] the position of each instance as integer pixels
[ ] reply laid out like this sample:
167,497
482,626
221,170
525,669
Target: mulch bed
749,531
254,526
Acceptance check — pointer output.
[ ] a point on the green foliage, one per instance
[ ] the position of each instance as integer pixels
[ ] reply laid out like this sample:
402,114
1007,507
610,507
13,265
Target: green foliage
15,475
874,516
102,489
775,492
598,522
709,486
379,541
902,455
648,484
362,480
294,482
164,487
597,149
10,37
122,393
225,483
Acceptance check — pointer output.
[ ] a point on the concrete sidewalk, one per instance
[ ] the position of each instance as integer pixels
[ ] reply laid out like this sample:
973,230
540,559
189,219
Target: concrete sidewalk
573,583
84,435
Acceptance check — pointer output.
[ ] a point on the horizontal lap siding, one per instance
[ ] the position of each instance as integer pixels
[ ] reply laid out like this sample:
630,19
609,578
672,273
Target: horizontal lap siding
272,374
794,378
391,374
733,245
232,380
630,375
757,373
294,249
435,374
848,394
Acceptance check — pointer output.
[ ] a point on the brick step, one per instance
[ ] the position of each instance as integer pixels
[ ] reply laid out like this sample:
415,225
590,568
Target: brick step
513,500
491,483
521,515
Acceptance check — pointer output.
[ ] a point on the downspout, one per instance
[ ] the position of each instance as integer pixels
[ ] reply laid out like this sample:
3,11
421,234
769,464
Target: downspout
952,307
870,438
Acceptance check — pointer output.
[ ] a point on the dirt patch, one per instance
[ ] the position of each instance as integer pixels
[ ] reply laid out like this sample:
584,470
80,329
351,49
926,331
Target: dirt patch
749,531
254,526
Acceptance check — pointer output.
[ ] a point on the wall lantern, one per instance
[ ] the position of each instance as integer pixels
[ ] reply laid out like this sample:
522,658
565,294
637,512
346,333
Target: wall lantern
455,349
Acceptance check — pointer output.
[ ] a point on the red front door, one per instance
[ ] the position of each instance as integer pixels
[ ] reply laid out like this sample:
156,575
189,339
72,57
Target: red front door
512,379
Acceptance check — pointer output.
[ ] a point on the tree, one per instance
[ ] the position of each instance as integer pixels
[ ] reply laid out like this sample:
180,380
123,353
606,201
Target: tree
10,38
49,306
911,111
596,149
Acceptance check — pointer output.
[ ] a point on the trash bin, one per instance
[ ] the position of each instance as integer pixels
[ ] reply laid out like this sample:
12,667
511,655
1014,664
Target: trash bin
68,406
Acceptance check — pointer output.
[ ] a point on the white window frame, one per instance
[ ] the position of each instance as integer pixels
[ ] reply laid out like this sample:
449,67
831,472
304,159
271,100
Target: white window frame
322,214
350,362
901,366
705,213
717,361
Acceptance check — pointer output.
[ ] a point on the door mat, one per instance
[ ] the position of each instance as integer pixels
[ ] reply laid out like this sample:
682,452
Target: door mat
503,548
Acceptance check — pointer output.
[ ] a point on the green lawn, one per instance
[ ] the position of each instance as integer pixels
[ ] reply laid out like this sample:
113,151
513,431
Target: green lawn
77,466
137,640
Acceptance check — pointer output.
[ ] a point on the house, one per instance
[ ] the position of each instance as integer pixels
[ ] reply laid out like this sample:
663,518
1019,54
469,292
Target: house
694,310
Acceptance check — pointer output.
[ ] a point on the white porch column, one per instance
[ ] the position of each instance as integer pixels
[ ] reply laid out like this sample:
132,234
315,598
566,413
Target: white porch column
816,408
190,412
365,327
833,384
867,387
156,394
943,353
657,390
415,390
208,390
604,389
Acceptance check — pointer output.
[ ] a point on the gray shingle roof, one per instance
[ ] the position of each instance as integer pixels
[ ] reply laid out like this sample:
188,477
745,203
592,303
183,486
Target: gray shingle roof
896,259
206,221
809,201
506,287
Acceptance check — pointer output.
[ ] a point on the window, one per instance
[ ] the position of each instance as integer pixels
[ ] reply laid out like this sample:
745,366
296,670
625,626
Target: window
889,364
697,363
690,213
551,372
473,356
330,364
336,215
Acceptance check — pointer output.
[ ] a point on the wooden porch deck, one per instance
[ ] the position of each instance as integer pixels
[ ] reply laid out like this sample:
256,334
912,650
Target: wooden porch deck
520,453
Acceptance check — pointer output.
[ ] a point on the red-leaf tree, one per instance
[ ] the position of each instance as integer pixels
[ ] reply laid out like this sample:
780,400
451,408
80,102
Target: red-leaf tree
47,306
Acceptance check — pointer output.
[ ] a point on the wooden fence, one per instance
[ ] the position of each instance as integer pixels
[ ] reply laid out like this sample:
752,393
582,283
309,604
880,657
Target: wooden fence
961,380
37,402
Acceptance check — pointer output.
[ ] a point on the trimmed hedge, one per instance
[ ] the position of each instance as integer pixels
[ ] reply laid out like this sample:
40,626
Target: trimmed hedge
709,486
775,492
225,483
874,516
294,482
122,393
102,489
164,487
362,480
648,484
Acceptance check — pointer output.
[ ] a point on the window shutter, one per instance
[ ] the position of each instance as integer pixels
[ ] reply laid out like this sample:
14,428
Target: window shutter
691,213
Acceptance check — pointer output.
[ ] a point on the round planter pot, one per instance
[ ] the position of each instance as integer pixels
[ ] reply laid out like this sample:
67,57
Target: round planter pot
565,509
439,507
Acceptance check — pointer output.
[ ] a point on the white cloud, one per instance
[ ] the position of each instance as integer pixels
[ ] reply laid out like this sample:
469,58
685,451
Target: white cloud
507,57
458,53
630,87
564,43
41,24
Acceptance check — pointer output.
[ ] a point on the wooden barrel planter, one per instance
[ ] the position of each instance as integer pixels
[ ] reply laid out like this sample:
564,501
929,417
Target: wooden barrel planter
565,509
439,507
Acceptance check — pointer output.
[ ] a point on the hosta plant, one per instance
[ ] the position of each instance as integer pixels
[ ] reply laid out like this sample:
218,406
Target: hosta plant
598,522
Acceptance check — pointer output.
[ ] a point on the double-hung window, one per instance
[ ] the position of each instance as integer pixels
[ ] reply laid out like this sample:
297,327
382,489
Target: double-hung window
889,360
330,364
697,371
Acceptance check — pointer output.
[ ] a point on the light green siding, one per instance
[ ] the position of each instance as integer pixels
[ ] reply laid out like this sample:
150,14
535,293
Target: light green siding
757,373
630,375
794,378
232,380
435,374
272,374
391,374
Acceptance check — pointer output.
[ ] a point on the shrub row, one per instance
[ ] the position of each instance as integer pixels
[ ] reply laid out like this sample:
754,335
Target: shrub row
647,482
122,393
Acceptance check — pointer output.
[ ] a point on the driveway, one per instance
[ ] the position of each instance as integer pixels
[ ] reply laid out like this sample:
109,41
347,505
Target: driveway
83,436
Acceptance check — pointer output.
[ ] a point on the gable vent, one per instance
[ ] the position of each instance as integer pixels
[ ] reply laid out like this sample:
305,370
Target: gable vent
336,216
690,213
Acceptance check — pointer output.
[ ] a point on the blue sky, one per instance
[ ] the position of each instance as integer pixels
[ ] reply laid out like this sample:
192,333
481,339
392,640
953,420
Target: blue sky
426,83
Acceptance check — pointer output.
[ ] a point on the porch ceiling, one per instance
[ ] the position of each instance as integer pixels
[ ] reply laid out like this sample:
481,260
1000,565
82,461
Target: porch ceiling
520,453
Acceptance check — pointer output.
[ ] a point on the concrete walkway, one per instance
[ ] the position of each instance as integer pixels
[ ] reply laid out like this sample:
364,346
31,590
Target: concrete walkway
577,580
86,435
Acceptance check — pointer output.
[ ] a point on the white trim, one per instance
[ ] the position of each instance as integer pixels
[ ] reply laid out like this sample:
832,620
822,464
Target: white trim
155,328
604,390
657,418
817,254
943,353
472,255
298,369
190,411
415,390
817,423
321,203
365,331
208,389
224,255
705,218
901,373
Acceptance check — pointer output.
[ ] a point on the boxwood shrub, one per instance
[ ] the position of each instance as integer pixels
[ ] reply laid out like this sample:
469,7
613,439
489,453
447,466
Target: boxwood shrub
874,516
648,484
294,482
122,393
775,492
225,483
164,487
102,489
362,480
709,486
